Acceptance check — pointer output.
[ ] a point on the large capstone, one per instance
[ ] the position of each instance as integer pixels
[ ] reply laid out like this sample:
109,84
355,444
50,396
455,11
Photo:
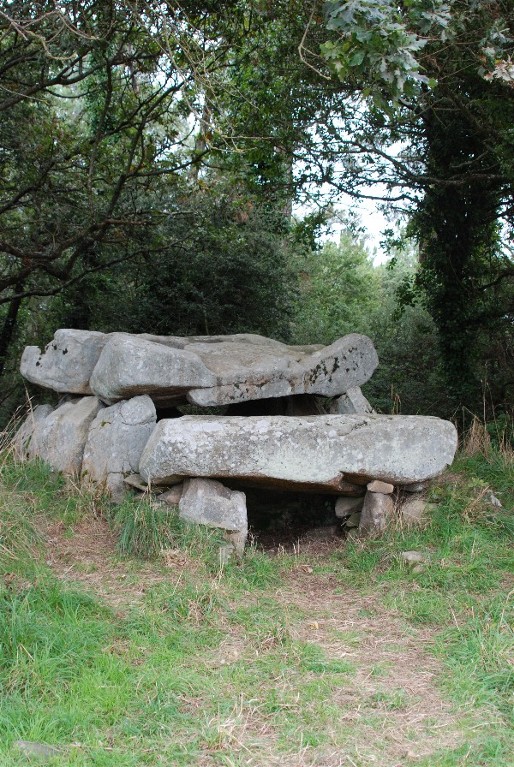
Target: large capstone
67,362
224,370
312,452
269,369
129,366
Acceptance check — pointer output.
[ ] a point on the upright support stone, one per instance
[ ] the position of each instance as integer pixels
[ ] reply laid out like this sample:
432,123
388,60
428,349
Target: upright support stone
23,438
377,513
352,401
210,503
59,439
115,442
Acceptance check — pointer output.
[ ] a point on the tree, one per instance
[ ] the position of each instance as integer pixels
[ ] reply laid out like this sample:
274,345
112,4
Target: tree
437,78
339,291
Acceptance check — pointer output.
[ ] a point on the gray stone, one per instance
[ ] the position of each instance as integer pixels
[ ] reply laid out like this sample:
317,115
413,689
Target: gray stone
23,437
207,502
413,557
351,402
380,487
346,506
261,371
490,498
217,370
134,480
129,366
66,363
413,510
59,439
115,442
31,748
311,453
377,513
172,497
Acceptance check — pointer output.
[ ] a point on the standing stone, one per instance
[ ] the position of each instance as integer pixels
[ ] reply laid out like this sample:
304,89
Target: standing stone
377,512
352,401
59,439
23,437
66,363
115,442
346,506
210,503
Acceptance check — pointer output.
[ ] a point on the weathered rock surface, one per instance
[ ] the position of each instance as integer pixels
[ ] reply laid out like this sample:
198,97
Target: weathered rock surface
23,437
262,370
67,362
413,510
316,452
377,513
346,506
380,487
59,439
352,401
207,502
129,366
115,442
207,371
172,496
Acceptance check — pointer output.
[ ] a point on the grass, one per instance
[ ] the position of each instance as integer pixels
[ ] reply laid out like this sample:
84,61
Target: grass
342,658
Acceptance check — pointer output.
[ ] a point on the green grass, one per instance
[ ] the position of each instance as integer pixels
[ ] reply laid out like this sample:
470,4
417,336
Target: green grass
214,666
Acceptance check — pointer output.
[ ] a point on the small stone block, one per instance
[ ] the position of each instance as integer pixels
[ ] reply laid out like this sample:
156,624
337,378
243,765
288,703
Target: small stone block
134,480
413,511
380,487
413,557
345,506
172,497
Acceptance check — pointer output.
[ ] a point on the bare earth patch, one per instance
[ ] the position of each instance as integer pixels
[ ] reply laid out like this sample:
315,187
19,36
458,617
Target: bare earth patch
87,555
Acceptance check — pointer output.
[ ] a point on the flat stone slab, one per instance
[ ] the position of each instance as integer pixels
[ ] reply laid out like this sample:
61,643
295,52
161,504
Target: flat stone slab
258,371
203,370
311,452
130,366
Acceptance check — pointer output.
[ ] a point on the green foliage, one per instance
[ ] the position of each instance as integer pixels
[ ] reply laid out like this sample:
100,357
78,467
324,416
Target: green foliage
437,78
339,292
222,259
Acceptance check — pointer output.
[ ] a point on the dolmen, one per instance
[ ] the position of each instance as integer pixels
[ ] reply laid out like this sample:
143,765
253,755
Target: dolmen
309,428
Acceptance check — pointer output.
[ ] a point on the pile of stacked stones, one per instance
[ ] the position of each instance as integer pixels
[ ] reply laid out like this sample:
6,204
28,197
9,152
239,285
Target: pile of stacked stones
293,418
